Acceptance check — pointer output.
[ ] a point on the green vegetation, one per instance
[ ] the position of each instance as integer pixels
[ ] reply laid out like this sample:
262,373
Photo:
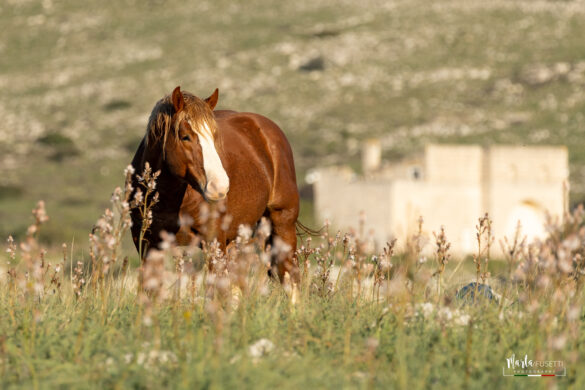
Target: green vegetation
77,83
358,319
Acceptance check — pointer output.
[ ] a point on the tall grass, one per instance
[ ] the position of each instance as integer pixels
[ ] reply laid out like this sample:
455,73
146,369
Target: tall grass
360,319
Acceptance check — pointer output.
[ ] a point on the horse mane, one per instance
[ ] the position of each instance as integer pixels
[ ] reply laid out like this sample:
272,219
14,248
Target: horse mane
161,121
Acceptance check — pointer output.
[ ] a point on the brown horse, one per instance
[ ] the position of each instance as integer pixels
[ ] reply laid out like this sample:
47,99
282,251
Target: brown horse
242,160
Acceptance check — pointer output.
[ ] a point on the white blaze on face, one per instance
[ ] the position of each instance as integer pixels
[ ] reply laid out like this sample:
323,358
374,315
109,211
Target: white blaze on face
218,182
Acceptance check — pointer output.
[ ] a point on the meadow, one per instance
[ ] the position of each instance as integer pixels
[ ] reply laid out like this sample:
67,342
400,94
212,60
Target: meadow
77,83
359,319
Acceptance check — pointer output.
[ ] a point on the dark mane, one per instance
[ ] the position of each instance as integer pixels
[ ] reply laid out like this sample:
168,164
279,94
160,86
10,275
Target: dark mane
161,119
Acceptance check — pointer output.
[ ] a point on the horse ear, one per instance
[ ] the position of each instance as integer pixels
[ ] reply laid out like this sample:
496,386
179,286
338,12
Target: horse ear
177,99
212,100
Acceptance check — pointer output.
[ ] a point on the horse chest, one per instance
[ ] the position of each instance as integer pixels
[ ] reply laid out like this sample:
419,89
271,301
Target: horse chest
245,204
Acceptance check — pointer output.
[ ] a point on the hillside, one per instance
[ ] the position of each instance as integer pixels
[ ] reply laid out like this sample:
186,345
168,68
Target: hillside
78,81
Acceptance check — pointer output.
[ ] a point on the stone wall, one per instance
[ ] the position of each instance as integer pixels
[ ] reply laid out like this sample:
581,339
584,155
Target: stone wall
458,185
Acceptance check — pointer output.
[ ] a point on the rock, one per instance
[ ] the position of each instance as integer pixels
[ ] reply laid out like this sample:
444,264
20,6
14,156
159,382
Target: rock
313,64
466,294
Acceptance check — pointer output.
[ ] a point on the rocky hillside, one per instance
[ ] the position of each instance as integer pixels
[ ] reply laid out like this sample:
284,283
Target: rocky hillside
78,80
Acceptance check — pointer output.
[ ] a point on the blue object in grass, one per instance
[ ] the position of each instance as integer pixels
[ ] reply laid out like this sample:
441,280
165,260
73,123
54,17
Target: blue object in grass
466,294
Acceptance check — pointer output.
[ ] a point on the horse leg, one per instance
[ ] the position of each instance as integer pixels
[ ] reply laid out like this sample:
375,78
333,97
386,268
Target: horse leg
284,228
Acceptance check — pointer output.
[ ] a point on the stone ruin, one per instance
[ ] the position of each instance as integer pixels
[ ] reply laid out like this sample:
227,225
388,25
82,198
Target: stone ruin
450,186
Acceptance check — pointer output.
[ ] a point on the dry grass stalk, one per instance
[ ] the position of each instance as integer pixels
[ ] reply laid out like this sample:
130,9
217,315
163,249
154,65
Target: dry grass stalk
485,240
442,257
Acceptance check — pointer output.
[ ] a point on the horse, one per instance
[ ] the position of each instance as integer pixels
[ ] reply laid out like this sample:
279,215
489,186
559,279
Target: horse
240,160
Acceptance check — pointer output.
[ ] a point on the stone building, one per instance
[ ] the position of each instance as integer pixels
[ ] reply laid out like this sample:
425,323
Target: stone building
450,186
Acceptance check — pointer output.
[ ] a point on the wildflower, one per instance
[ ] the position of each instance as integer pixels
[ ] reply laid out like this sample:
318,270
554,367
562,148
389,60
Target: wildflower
265,259
223,284
462,319
372,344
226,222
211,307
116,195
153,273
345,239
168,240
260,348
573,313
129,170
426,309
185,220
11,250
110,242
558,342
32,229
264,229
39,213
245,232
138,197
280,246
264,290
204,213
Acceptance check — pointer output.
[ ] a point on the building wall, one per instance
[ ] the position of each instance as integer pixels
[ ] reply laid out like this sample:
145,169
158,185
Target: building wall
453,164
528,202
455,206
525,183
459,184
340,198
535,164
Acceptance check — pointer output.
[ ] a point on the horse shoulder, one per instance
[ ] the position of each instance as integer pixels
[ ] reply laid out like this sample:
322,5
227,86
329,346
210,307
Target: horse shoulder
279,153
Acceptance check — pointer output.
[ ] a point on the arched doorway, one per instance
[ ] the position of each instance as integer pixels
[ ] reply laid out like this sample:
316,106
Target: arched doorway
532,219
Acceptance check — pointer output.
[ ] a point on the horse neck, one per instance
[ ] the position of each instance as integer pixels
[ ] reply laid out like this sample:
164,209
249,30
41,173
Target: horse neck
171,189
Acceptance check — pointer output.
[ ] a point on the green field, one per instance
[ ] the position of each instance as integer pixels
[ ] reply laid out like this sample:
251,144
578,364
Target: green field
78,80
357,319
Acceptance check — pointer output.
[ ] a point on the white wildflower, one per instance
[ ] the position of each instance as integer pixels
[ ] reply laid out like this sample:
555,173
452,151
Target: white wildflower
462,319
129,170
245,232
426,309
260,348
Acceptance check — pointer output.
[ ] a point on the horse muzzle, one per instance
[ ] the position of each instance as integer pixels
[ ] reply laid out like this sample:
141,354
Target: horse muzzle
216,191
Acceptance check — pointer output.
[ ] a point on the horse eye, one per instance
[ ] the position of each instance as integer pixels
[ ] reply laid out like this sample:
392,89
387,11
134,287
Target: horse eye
186,138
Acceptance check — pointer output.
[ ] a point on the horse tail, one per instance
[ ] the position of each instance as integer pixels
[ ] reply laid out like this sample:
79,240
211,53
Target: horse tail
304,230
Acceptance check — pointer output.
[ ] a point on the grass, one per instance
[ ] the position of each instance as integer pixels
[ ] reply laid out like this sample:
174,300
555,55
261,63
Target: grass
359,319
77,83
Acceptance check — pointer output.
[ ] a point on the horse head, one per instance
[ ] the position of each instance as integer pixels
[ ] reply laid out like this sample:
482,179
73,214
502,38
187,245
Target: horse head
190,150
